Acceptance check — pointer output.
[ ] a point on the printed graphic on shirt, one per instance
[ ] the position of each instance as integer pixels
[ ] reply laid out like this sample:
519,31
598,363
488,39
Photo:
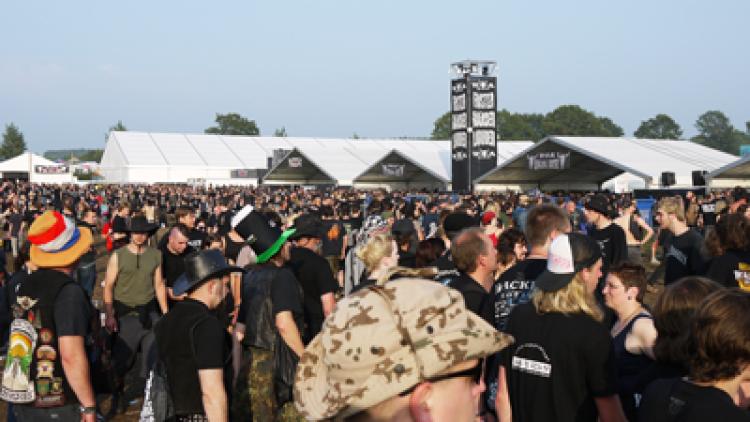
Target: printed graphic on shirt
509,294
742,275
677,254
533,360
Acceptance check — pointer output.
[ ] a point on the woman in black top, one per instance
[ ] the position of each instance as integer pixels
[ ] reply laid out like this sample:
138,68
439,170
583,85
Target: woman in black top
633,333
729,243
718,347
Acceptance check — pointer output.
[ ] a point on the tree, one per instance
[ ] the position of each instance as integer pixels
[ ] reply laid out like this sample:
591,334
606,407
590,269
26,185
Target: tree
233,124
574,120
442,127
92,155
280,132
660,126
13,142
716,131
519,126
118,127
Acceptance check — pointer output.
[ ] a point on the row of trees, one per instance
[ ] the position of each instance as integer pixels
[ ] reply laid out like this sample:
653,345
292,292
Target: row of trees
714,128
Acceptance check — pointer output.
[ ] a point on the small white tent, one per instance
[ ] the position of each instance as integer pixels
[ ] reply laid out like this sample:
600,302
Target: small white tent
36,169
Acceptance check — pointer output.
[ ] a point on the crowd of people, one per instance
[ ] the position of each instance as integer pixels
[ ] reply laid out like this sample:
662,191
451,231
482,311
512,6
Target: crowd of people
290,304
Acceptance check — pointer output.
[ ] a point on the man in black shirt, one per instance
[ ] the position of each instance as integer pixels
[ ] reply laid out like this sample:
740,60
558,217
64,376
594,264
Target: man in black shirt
610,237
452,225
334,241
476,261
543,224
173,254
196,239
684,256
313,273
192,343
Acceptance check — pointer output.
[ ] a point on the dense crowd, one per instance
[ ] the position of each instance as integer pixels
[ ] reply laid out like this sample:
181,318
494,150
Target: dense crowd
286,304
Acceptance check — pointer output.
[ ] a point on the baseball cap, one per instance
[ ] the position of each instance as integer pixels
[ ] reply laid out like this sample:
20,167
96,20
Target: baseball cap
600,203
383,340
457,221
568,254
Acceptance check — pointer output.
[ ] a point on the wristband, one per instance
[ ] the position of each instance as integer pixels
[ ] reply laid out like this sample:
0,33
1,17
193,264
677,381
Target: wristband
90,410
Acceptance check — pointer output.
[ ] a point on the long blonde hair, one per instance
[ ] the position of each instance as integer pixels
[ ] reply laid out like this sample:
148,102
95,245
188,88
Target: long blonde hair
571,299
376,248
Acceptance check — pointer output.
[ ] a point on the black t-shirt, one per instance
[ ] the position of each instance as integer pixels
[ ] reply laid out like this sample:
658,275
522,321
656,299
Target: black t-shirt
614,246
15,220
514,287
446,268
285,295
315,276
557,366
72,311
172,266
197,239
684,257
732,269
333,241
476,298
679,400
209,336
708,210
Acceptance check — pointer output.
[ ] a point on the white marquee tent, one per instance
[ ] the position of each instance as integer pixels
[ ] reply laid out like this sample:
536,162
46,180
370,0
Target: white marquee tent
137,157
35,168
566,162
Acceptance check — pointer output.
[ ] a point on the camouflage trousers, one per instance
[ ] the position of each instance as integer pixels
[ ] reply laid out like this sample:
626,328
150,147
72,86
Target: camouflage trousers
255,398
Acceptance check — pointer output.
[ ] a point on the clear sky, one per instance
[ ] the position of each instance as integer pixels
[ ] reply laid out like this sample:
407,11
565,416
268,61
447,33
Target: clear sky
325,68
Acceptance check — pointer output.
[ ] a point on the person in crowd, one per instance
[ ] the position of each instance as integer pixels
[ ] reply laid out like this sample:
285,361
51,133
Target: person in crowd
173,255
379,255
684,256
85,274
610,237
561,366
718,347
394,365
729,245
119,226
313,273
672,313
63,389
215,242
520,213
134,297
476,260
490,226
514,286
428,251
453,224
405,235
196,238
271,324
634,333
16,226
354,268
577,220
511,249
708,213
637,231
192,342
334,242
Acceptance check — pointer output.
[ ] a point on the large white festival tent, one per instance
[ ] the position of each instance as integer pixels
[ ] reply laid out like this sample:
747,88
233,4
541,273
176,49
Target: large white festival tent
35,168
620,164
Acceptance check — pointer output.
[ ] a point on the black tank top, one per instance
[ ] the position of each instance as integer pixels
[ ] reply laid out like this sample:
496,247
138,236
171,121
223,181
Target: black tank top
232,249
629,368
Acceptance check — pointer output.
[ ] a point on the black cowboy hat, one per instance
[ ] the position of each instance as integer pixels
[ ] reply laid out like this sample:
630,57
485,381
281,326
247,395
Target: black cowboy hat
202,266
262,234
139,224
308,225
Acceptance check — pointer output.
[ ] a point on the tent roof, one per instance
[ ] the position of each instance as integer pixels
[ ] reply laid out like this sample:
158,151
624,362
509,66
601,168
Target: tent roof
413,170
20,163
739,169
306,172
597,159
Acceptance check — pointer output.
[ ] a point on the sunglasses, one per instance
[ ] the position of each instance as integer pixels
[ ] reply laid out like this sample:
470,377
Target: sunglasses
474,373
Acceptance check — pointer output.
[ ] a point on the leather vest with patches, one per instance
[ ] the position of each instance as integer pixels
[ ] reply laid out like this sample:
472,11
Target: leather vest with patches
46,371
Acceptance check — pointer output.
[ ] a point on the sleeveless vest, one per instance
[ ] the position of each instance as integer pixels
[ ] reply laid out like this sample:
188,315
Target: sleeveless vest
46,371
260,323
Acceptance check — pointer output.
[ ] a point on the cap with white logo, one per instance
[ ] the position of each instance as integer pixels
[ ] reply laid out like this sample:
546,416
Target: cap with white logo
568,254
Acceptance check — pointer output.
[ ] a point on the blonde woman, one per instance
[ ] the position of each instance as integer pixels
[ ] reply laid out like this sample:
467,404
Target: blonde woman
379,255
561,366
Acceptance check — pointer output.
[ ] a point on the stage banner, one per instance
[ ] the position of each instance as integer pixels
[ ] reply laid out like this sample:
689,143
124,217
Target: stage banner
549,161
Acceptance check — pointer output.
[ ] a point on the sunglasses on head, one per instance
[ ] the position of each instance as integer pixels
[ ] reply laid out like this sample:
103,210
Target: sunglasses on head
474,373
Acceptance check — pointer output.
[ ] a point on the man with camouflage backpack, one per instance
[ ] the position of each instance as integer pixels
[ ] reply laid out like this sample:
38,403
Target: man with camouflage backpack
47,373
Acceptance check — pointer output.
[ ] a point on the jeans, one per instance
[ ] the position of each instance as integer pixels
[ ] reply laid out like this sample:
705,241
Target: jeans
86,277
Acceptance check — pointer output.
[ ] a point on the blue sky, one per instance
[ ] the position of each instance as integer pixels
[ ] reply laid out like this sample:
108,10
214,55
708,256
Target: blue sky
325,68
